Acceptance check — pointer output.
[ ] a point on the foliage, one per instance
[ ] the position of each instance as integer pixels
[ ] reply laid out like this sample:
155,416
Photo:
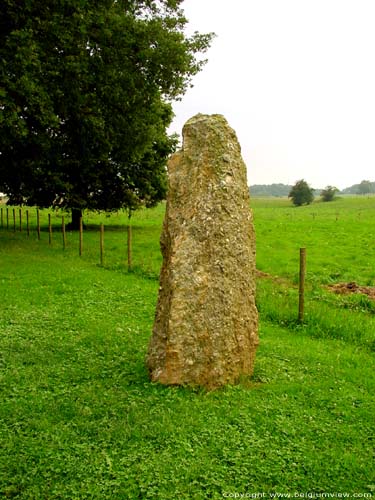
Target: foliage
365,187
328,193
301,193
270,190
357,188
80,419
85,89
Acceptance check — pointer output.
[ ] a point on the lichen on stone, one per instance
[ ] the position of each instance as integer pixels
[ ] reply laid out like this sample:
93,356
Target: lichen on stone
206,324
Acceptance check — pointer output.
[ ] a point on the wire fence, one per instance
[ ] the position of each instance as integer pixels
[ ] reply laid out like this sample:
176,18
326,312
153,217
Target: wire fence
109,246
119,244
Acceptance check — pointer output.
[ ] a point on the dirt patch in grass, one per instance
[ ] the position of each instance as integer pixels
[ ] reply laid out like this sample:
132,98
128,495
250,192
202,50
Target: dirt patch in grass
261,274
353,287
277,279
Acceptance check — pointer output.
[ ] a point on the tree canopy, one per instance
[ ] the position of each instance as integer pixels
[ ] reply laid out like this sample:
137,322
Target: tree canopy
301,193
270,189
365,187
85,99
329,193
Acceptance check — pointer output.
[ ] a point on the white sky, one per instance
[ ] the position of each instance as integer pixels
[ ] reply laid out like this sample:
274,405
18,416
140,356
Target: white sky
296,81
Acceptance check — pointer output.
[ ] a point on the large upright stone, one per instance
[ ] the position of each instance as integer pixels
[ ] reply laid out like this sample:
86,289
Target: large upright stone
205,330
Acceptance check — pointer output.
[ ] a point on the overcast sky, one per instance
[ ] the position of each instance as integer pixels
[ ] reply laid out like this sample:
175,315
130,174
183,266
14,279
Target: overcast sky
296,81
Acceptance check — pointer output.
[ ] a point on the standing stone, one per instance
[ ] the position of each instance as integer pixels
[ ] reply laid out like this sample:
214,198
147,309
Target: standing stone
205,330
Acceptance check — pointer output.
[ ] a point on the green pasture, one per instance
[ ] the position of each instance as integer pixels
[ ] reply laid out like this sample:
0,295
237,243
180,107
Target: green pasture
339,237
79,418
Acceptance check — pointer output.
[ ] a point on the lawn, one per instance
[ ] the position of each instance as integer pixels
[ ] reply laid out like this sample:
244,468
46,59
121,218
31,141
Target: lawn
79,418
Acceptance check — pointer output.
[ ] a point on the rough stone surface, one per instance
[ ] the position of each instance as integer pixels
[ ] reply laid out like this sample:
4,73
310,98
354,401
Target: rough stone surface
205,330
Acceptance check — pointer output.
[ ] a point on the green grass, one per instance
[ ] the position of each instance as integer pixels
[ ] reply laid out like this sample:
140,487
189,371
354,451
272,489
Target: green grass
146,227
79,418
339,237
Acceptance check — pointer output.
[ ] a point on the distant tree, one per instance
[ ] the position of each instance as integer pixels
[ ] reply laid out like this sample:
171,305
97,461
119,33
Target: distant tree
328,193
355,188
278,190
85,99
301,193
365,187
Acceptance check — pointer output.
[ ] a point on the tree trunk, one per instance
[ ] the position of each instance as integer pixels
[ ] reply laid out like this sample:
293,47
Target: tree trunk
76,215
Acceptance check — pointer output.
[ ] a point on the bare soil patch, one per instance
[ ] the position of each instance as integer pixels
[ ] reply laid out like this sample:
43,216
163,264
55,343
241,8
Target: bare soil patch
353,287
261,274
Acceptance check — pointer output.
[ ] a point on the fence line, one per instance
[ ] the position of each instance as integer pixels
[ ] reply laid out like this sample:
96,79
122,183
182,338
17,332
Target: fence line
35,221
64,234
129,246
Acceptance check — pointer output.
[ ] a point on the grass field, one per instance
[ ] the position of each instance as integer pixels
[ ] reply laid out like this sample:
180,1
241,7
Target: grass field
79,418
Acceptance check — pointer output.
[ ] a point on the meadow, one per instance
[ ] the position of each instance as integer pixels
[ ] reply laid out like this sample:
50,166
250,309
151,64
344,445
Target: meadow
79,418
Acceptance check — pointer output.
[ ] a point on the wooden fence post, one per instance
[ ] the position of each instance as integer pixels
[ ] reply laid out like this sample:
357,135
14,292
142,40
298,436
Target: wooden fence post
20,214
2,217
101,244
7,218
14,220
49,230
302,274
38,222
130,256
63,232
80,236
27,223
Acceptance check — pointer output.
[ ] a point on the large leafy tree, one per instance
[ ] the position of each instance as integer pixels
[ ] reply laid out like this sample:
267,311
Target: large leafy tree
85,99
301,193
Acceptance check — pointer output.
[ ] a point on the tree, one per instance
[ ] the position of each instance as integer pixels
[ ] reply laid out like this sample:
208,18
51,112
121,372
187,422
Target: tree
365,187
301,193
270,190
357,188
85,99
328,193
